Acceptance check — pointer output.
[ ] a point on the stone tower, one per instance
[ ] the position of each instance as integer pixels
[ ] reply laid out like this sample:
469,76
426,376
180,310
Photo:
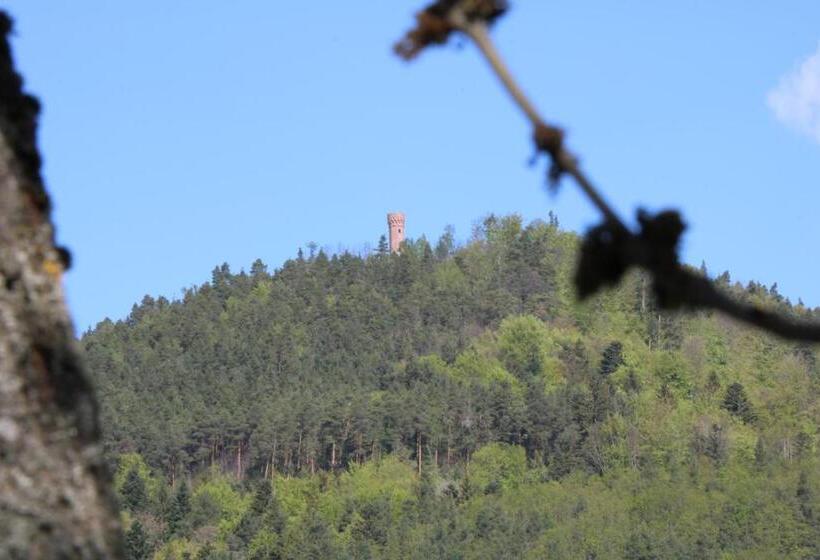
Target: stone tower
395,221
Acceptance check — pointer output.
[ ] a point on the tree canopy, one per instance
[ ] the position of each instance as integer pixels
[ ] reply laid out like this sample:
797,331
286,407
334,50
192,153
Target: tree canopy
456,399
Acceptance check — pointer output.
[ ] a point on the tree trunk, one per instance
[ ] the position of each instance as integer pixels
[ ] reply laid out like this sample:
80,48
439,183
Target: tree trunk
299,453
55,498
418,451
239,461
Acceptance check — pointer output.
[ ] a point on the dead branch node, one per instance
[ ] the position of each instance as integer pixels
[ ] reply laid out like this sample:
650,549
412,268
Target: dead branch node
434,24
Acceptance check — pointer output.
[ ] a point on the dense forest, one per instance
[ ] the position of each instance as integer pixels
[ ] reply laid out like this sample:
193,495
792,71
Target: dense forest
455,401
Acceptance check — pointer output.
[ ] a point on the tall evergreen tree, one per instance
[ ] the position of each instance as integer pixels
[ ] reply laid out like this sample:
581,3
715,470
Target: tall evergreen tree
383,247
258,268
737,403
133,491
254,517
612,358
178,511
136,542
446,243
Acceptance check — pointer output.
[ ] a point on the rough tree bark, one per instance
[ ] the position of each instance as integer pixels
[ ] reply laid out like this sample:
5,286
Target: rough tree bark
55,497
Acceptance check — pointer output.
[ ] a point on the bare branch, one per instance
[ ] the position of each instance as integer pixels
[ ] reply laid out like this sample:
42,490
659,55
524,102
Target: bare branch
703,294
611,248
547,138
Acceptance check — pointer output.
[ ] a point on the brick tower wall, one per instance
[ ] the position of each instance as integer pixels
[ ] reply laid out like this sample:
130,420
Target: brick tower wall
395,221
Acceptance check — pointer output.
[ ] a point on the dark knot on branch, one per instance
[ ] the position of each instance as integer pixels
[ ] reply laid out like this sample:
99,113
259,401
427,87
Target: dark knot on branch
549,139
434,24
610,249
603,259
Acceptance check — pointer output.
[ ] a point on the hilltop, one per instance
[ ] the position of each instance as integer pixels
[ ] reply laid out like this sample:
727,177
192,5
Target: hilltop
457,398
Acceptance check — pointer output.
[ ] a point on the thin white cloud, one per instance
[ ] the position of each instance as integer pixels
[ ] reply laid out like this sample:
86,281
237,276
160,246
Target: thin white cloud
796,99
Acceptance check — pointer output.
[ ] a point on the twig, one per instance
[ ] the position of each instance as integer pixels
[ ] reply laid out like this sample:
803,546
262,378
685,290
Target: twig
567,163
611,248
479,33
704,295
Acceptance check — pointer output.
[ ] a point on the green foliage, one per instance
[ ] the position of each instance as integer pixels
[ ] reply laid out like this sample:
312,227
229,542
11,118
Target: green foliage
136,543
135,482
133,491
453,402
177,522
526,349
497,467
672,372
612,359
737,403
263,512
264,546
310,538
216,501
478,365
177,549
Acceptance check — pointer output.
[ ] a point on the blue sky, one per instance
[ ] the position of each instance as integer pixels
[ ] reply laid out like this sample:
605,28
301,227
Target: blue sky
178,135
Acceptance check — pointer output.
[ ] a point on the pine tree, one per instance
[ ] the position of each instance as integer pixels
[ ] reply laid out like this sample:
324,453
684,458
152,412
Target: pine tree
312,538
446,243
253,518
613,357
737,403
382,245
133,491
179,510
258,268
804,497
136,543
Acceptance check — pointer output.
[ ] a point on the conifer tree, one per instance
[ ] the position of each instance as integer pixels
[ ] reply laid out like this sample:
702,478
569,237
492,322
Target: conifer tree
737,403
382,245
804,497
613,357
254,517
258,268
136,543
179,510
446,243
133,491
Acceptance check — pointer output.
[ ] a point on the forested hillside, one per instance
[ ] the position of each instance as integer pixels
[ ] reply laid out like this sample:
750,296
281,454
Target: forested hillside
455,402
